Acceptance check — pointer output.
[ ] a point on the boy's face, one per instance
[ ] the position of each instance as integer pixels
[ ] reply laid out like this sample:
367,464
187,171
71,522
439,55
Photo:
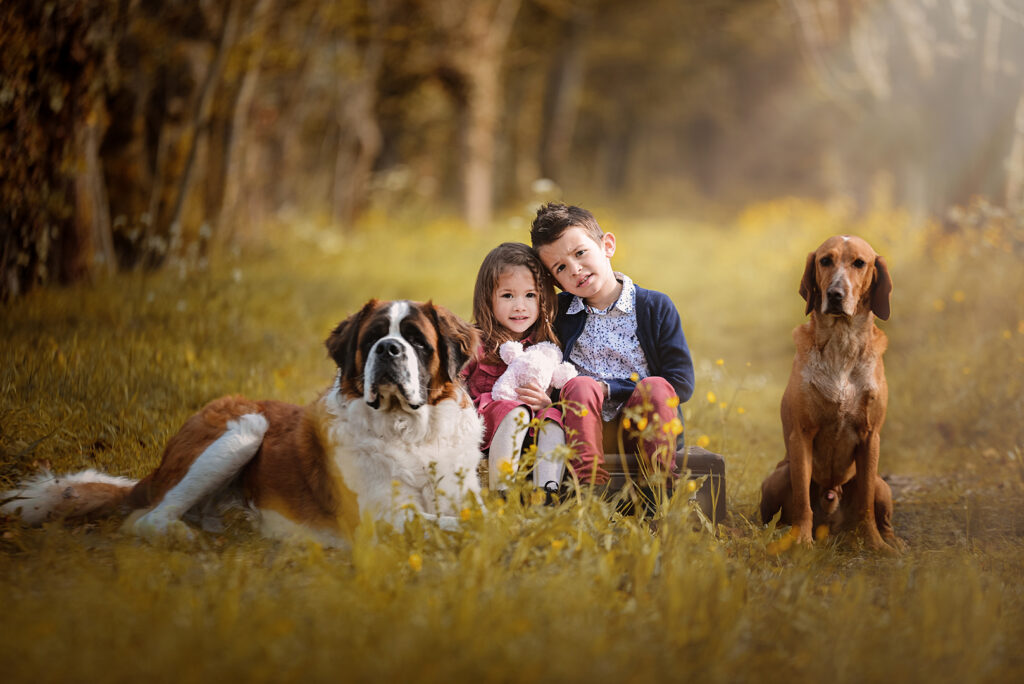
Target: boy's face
582,266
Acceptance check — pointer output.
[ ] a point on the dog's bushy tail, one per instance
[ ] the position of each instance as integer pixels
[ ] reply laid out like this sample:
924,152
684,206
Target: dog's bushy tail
87,494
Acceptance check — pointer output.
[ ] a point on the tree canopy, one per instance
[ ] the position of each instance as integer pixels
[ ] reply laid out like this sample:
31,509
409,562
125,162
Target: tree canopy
134,129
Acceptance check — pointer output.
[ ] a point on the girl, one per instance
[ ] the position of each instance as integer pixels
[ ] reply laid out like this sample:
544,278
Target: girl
514,300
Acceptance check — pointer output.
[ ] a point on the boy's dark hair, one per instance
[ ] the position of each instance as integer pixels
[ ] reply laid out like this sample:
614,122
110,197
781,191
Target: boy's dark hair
555,218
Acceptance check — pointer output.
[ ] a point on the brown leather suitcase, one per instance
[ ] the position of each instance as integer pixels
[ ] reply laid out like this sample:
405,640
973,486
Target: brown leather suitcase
694,461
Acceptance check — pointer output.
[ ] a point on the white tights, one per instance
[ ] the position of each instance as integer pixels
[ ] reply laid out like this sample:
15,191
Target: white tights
507,444
549,468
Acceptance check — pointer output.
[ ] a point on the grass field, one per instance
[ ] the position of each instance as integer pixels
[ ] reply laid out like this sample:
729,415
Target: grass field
101,376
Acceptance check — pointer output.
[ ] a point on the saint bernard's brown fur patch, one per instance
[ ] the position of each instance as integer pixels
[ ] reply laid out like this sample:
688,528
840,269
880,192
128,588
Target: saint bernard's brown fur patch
396,431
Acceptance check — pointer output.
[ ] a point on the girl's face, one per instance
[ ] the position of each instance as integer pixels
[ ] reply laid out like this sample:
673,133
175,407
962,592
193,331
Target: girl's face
515,301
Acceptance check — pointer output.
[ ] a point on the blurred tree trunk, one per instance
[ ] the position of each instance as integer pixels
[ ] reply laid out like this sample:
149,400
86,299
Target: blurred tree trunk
619,150
1015,163
56,61
562,96
360,139
477,35
94,245
198,127
224,212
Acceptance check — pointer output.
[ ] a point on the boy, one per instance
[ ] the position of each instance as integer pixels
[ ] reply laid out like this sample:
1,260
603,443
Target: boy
627,342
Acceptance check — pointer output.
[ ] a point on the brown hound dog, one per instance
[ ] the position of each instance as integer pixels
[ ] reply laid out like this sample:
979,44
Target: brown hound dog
835,403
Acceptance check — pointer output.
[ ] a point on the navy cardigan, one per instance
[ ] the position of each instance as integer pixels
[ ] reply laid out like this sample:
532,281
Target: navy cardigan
661,337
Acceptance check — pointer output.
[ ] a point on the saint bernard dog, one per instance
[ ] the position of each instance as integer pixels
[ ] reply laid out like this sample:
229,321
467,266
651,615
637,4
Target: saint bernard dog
396,431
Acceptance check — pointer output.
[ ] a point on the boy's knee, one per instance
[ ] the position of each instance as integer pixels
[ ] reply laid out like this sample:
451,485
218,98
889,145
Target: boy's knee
655,389
657,385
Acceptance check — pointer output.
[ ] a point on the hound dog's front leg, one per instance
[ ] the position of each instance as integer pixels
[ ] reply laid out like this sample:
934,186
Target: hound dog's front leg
799,448
866,526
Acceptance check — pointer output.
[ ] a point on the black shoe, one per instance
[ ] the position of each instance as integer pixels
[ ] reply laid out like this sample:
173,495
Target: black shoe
551,494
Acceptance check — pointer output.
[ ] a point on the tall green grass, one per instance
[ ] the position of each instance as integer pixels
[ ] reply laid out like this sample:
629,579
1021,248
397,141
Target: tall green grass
101,376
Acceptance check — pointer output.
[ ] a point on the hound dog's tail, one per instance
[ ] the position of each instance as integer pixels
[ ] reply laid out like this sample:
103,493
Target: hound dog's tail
87,494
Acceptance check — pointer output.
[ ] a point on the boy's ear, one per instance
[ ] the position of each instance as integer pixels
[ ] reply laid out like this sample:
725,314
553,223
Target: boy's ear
608,242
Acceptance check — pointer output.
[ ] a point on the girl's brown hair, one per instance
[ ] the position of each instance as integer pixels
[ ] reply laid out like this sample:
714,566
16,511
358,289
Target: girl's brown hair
504,256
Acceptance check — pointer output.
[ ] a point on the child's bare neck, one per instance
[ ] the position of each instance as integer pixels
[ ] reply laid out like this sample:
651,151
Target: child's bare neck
602,300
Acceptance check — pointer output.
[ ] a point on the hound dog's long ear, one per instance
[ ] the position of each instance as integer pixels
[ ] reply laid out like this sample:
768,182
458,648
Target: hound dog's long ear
343,340
457,340
809,285
880,290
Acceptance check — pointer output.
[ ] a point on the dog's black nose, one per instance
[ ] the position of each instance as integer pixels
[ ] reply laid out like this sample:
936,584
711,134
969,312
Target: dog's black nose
834,296
389,348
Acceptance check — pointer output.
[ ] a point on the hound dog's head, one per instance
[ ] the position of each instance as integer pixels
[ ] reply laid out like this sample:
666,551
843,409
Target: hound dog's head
845,277
401,354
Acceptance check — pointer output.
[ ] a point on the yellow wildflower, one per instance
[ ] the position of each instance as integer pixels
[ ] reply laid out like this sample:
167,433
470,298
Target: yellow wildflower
537,497
465,514
415,562
676,426
626,423
959,296
506,468
691,486
558,544
672,402
723,405
711,397
740,410
720,362
583,413
703,441
642,424
782,544
634,377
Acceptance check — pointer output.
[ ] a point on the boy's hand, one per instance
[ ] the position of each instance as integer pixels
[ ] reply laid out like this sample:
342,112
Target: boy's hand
534,396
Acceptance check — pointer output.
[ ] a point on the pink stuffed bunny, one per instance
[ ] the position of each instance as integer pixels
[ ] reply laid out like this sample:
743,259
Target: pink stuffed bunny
541,363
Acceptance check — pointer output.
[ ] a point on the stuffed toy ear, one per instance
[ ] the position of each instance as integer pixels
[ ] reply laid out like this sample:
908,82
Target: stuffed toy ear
510,350
563,373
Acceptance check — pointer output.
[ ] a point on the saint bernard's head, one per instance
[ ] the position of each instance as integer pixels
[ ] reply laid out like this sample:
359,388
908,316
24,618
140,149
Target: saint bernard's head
401,354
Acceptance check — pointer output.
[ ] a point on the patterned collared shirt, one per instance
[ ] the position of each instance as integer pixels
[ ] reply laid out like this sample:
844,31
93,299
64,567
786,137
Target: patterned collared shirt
608,346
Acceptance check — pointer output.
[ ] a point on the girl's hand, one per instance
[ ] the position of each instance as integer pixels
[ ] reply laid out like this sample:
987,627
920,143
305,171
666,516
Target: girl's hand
534,396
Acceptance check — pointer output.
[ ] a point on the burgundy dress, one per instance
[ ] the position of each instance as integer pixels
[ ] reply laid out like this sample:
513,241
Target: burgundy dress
480,378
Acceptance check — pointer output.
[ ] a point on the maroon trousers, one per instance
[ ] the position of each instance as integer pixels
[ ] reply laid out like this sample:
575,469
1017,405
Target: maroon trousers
589,436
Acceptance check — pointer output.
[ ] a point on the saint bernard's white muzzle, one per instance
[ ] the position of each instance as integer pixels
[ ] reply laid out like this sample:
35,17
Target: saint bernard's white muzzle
392,366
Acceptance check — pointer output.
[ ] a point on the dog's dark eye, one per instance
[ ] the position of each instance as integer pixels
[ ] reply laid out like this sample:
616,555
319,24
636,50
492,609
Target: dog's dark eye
414,337
859,263
826,261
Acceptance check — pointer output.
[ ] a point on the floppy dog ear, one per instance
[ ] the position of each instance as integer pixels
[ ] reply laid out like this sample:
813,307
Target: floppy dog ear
880,290
809,285
457,340
343,340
